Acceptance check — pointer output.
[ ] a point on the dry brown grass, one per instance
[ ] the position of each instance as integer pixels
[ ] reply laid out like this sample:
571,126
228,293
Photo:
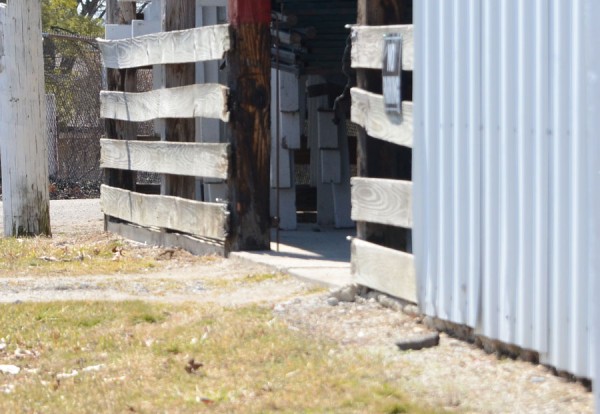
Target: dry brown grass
140,357
80,255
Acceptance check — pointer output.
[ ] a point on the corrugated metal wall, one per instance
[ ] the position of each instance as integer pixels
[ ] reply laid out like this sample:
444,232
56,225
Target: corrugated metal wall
592,13
502,186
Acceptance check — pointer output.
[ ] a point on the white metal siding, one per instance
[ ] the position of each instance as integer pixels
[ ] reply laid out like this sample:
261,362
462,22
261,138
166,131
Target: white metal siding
592,13
502,174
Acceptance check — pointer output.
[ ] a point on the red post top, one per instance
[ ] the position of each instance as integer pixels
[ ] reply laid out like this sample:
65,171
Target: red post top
249,11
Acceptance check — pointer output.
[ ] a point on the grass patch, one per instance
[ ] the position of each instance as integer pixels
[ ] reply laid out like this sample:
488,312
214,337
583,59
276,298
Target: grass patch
46,256
140,357
245,280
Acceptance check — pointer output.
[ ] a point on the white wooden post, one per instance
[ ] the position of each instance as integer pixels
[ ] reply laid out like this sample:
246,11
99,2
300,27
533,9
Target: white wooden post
23,144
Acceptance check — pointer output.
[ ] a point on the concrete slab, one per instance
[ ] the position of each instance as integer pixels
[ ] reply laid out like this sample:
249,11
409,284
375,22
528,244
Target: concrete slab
318,256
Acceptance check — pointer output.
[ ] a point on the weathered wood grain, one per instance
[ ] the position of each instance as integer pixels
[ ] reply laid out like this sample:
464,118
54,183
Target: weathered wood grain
181,46
367,45
368,111
208,100
181,158
387,270
193,217
249,79
382,201
155,237
23,121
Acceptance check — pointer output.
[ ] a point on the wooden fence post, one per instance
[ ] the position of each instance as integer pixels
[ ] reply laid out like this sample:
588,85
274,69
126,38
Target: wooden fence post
119,12
249,81
179,15
376,158
23,142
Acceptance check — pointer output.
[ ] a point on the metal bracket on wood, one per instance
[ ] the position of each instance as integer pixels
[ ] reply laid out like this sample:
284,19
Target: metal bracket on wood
391,72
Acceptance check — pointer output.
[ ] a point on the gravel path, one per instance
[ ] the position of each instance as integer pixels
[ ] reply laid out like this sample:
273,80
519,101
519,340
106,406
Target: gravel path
72,216
455,374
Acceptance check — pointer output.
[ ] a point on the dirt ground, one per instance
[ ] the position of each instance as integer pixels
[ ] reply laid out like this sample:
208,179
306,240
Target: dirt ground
455,375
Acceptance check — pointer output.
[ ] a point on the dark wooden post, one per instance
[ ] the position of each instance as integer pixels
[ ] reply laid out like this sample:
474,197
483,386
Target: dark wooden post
120,80
249,80
179,15
376,158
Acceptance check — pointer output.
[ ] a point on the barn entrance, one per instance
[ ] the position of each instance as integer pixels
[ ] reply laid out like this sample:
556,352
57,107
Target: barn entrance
316,143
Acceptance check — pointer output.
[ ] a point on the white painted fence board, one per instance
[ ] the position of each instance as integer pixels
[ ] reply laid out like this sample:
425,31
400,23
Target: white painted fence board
193,217
291,124
328,131
382,201
285,167
287,208
145,27
367,45
207,100
288,91
117,31
387,270
181,46
181,158
331,166
368,111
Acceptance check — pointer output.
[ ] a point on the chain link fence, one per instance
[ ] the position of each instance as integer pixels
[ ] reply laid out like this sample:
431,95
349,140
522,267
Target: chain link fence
74,78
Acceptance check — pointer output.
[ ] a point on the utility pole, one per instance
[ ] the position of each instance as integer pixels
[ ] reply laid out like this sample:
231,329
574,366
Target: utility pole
23,145
249,79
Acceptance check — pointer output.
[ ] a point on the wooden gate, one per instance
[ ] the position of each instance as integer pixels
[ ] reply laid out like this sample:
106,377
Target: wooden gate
381,257
177,216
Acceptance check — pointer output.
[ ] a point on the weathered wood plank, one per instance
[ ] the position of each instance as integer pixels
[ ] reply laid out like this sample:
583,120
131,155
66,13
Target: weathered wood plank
367,45
368,112
193,217
181,46
383,269
181,158
382,201
155,237
208,100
